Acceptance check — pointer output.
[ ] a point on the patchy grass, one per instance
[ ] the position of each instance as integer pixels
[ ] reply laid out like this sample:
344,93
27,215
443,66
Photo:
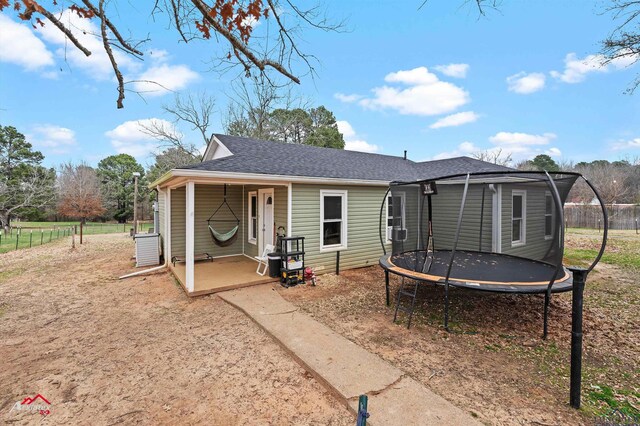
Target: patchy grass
495,363
605,399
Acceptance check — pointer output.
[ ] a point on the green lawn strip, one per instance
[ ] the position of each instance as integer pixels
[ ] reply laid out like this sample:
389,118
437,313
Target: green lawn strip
581,257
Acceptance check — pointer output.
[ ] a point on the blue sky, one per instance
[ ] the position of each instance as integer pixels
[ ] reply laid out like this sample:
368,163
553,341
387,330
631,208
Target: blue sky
437,82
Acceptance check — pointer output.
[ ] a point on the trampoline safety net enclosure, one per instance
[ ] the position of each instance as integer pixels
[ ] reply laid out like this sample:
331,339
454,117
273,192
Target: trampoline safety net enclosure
510,235
489,231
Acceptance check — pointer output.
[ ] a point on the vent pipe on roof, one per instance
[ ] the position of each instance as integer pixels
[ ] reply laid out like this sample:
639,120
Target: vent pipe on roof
405,154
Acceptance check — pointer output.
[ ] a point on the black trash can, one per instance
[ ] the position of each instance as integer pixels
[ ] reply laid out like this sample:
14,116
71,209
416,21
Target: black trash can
275,261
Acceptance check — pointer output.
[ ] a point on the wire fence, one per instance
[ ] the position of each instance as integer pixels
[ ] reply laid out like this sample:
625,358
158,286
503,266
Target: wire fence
28,235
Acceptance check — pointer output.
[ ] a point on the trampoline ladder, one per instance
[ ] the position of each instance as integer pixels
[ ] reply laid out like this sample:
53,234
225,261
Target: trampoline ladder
408,288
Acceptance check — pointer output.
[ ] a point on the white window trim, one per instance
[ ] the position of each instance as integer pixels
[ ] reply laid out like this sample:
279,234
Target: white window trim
249,221
389,228
548,194
343,228
523,226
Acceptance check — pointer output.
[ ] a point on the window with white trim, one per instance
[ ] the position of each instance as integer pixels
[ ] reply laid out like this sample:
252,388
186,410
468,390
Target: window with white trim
518,217
333,220
252,218
396,223
548,216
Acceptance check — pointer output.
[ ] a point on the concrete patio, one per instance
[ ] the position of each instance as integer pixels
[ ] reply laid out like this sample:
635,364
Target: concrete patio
221,274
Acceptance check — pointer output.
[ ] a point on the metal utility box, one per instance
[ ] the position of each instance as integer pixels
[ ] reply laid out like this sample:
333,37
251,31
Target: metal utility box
147,249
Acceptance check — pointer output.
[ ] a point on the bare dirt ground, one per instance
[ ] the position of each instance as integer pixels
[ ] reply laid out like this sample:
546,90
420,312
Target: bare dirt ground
138,351
495,364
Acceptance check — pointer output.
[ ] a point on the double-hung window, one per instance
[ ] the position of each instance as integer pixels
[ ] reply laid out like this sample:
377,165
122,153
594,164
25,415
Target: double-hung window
518,217
395,218
252,219
548,216
333,220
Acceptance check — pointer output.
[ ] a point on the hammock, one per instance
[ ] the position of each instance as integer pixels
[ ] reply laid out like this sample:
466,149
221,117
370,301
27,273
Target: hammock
224,239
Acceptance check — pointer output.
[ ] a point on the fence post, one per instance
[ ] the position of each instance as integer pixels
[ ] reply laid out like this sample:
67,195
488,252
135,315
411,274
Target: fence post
636,226
41,236
17,239
30,238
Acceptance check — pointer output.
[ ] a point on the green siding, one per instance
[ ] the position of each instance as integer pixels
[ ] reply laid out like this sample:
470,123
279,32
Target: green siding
446,208
178,212
363,214
207,199
536,245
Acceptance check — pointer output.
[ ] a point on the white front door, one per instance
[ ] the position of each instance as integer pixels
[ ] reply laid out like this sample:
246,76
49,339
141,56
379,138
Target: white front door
266,225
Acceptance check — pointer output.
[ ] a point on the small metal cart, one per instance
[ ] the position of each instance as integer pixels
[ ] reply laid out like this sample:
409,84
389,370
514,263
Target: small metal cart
292,267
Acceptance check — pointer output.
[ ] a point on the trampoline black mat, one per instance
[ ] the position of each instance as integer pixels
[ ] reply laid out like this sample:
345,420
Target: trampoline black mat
479,270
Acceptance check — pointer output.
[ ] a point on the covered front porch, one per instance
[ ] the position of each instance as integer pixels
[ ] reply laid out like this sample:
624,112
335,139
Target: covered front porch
256,211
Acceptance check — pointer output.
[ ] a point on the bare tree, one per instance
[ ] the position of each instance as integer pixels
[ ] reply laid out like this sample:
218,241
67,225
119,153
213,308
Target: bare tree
34,190
610,179
623,43
79,193
495,156
195,111
251,102
230,22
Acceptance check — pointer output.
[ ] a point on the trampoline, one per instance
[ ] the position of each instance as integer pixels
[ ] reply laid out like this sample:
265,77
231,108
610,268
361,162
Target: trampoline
499,231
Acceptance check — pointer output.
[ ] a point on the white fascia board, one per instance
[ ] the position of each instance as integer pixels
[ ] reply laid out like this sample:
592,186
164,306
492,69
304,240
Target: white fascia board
249,178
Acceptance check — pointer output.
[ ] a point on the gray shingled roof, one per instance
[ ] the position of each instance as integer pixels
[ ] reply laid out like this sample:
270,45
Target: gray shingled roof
275,158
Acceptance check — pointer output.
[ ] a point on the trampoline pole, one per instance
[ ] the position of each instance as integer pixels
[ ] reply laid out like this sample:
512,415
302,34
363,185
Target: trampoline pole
547,300
579,279
453,253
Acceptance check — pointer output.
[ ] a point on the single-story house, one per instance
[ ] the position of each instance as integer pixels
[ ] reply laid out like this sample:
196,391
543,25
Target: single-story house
329,196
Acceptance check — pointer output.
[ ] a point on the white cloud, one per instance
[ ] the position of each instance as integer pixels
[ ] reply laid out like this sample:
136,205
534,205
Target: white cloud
456,120
347,98
508,139
627,144
525,84
56,139
465,149
159,80
553,152
128,137
453,70
520,146
576,70
426,94
18,45
523,146
351,140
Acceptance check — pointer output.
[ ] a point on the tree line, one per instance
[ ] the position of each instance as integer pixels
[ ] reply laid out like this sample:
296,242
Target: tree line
618,182
33,192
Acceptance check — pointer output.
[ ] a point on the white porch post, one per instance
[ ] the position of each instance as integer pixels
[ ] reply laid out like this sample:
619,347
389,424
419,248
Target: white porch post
289,212
189,240
167,226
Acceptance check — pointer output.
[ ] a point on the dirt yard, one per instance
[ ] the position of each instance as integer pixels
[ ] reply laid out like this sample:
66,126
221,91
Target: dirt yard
495,363
138,351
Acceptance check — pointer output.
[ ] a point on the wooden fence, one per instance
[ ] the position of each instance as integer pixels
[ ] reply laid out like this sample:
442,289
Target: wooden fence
621,216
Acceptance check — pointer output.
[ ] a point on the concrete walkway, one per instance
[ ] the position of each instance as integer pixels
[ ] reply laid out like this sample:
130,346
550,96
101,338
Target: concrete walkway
343,367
